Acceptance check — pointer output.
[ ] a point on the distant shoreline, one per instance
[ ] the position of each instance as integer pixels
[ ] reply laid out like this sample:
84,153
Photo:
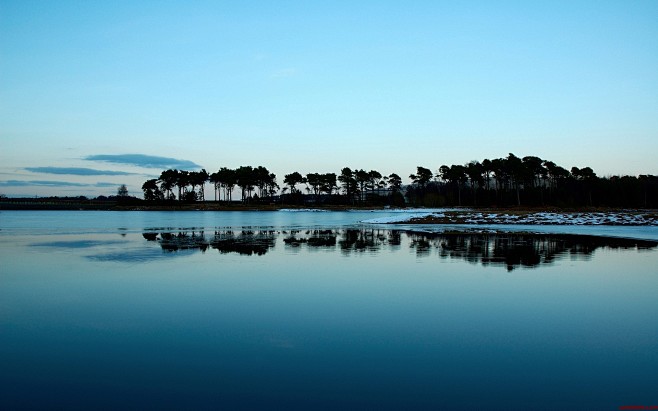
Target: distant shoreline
142,206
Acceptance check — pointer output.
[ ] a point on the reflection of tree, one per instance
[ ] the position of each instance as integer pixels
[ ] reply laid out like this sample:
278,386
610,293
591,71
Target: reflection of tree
395,238
510,250
313,238
150,236
358,240
246,242
526,250
420,242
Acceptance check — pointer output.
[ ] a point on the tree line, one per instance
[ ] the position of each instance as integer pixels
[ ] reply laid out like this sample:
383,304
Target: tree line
506,181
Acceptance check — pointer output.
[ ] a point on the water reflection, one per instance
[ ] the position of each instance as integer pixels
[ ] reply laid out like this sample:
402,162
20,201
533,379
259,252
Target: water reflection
246,242
509,250
311,238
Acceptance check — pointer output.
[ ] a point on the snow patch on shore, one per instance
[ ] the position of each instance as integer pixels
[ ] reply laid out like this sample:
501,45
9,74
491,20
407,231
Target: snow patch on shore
304,210
540,218
400,219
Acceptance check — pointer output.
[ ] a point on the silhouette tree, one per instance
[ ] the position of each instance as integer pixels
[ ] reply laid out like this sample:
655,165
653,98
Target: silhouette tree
292,179
315,181
348,181
182,181
263,179
394,183
456,176
362,178
122,191
151,190
586,176
227,180
168,182
501,175
474,172
216,183
530,178
517,171
487,169
534,173
328,183
271,186
555,174
246,180
416,192
200,179
422,177
375,180
197,179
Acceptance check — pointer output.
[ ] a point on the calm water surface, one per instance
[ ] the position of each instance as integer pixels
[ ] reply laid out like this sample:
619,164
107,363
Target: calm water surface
308,310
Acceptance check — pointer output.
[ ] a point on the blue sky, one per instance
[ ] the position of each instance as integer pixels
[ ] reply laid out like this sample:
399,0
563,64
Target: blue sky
317,86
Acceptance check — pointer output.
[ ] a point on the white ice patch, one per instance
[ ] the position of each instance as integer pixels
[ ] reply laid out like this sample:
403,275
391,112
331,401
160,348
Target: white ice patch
413,210
540,218
304,210
400,218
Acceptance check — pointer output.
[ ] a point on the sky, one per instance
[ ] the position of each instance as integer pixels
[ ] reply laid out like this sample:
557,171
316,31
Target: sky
97,94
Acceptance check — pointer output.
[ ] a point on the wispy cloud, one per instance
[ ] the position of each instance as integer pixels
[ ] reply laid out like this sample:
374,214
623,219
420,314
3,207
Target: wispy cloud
41,183
143,160
46,183
76,171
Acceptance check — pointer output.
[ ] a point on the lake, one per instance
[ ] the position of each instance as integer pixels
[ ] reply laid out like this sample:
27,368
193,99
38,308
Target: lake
317,310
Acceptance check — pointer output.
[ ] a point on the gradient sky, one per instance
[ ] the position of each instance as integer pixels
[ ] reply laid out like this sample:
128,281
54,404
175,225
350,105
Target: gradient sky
317,86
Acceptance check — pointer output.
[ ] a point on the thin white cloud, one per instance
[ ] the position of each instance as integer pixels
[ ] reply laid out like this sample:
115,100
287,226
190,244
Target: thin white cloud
77,171
146,161
41,183
48,183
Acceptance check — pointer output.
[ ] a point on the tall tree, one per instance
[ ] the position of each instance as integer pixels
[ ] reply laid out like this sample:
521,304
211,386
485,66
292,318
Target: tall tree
227,180
455,176
122,191
182,181
422,177
517,171
328,183
168,182
587,177
246,180
151,190
348,181
271,186
262,180
536,170
216,183
201,177
374,180
487,169
292,179
362,178
315,181
474,170
394,183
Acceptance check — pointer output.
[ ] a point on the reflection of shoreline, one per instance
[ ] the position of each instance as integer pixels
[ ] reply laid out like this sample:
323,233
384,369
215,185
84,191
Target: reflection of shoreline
510,250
